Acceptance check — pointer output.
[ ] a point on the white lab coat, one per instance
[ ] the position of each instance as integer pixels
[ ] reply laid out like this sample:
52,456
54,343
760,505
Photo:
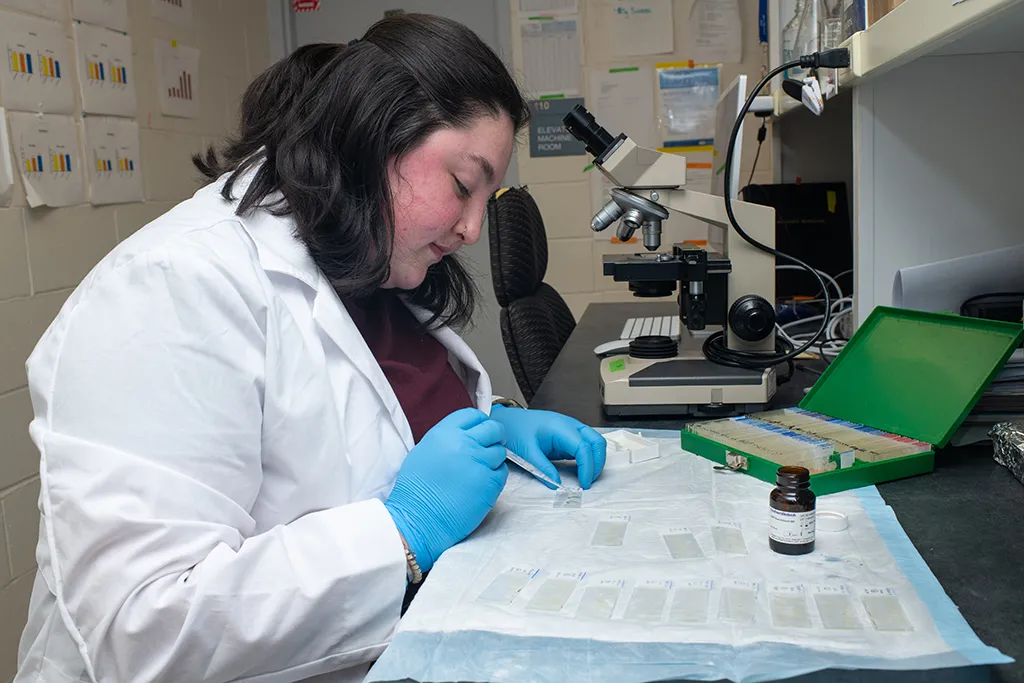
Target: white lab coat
216,441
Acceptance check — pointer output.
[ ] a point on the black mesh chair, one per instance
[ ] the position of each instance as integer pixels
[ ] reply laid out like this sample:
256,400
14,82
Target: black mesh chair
535,320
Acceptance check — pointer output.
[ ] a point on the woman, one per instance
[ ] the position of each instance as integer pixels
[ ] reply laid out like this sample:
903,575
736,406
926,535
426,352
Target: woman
256,424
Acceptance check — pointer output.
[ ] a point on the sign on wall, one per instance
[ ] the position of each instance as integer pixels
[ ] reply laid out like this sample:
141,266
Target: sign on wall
548,136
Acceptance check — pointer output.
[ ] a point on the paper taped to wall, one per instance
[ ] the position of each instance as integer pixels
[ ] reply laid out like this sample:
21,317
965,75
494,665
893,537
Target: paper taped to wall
688,100
177,74
545,6
715,32
112,152
551,55
173,11
639,28
110,13
105,74
622,99
46,152
39,72
6,171
51,9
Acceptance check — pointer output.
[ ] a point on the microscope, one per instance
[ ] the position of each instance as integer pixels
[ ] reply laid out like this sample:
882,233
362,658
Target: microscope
729,286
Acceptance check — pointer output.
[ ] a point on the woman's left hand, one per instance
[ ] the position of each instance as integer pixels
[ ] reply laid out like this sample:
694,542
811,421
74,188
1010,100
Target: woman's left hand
540,436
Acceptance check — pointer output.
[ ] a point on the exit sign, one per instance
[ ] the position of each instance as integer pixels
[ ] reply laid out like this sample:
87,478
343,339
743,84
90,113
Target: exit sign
306,5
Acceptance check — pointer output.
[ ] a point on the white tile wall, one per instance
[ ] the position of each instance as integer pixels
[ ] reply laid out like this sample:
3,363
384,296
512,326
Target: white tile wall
20,457
569,269
64,244
14,281
21,516
44,253
5,561
14,606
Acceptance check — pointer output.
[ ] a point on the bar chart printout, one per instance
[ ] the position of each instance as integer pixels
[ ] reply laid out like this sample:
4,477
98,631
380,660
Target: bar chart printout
104,71
38,69
47,157
177,12
177,68
113,148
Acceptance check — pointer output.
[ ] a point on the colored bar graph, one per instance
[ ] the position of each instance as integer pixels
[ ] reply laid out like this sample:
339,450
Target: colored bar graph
96,71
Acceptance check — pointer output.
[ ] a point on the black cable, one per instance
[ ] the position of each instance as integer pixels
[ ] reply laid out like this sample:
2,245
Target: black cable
762,133
715,347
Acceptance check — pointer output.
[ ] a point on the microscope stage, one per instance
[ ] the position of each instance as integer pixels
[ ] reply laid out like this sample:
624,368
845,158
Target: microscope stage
685,386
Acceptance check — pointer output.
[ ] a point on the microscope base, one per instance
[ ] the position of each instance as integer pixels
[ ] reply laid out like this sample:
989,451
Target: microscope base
684,386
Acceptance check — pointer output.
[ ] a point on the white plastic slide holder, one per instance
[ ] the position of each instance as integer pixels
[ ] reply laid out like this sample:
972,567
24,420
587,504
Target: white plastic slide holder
637,447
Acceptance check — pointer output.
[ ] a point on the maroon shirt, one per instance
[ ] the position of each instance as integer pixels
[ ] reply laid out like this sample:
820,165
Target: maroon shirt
414,362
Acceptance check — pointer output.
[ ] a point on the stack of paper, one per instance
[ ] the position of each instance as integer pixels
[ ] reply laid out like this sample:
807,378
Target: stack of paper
1006,393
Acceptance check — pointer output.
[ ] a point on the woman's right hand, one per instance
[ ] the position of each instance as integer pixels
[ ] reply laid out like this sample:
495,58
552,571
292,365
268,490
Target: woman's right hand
448,483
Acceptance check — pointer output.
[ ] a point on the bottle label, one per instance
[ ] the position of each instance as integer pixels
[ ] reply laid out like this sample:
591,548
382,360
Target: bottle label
794,528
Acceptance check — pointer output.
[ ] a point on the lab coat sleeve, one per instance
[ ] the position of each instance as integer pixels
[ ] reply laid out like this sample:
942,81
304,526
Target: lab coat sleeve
148,419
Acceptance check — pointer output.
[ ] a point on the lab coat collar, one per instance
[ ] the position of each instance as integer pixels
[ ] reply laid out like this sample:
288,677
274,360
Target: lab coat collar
281,251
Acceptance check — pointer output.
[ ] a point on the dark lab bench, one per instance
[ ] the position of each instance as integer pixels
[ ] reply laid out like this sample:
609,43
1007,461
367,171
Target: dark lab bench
966,519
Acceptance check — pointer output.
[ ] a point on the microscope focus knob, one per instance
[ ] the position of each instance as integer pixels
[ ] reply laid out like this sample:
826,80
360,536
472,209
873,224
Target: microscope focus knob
752,318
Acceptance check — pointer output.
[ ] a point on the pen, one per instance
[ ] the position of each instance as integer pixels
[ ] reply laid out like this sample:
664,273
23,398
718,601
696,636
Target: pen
512,457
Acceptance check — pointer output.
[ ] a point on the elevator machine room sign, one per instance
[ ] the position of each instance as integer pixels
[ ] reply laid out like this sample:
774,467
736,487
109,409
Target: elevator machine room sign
548,136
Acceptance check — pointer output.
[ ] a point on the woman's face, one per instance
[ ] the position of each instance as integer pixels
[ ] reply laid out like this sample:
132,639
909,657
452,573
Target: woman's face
439,193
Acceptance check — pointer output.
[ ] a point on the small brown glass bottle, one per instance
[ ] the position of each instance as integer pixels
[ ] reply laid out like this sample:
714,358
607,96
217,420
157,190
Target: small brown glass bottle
792,512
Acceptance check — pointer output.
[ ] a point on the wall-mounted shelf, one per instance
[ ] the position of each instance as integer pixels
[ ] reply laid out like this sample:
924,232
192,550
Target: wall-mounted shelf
918,28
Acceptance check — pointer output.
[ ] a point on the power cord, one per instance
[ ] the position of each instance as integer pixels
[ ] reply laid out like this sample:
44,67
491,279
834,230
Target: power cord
715,347
762,133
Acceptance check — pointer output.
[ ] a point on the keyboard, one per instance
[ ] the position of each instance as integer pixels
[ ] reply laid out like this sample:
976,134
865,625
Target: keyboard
667,326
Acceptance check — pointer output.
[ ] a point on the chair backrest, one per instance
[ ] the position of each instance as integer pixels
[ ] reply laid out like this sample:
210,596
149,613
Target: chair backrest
535,320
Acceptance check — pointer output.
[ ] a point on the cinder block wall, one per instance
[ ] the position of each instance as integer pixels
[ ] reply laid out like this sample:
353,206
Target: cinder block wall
44,253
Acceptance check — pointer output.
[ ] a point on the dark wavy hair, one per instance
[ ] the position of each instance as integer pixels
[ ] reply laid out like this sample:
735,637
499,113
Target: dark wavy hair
322,126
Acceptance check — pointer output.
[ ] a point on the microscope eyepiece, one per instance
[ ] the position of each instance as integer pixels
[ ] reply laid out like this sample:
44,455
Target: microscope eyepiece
584,128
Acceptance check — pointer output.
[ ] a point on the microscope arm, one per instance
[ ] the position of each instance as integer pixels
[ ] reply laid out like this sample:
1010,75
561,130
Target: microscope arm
753,270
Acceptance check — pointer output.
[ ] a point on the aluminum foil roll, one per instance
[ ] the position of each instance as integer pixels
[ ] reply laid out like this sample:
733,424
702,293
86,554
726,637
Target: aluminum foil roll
1008,446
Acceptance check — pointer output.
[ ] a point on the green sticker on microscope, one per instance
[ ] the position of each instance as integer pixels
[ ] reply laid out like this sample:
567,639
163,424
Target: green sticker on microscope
617,365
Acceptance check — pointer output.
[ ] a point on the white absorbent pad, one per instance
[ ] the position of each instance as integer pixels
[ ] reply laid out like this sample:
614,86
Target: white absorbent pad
662,571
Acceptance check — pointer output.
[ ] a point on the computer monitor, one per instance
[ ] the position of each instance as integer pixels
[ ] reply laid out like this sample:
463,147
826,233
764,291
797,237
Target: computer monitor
729,106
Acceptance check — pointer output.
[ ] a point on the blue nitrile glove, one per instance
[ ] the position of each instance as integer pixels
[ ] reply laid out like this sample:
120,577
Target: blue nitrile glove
448,483
540,436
